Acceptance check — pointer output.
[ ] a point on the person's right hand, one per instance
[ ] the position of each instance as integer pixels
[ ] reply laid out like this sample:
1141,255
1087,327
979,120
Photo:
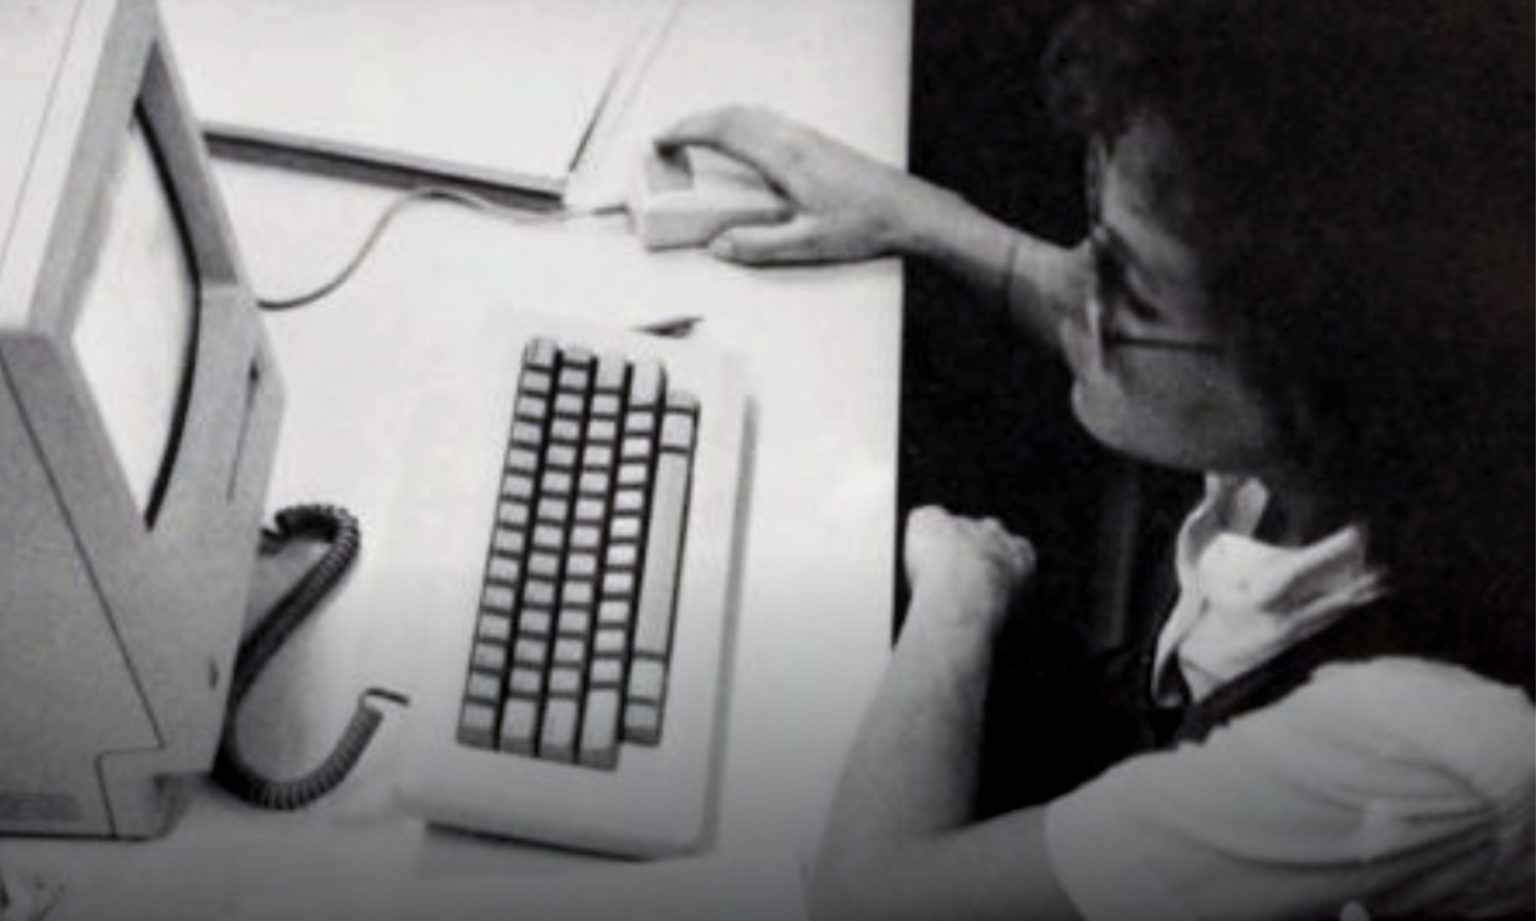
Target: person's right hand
846,205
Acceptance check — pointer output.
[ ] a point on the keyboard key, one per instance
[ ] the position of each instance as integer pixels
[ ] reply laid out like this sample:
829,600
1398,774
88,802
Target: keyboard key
625,528
566,430
591,511
640,422
519,716
498,598
586,537
581,565
570,405
629,502
477,722
527,435
526,682
540,353
658,590
531,409
517,486
623,555
577,593
565,682
600,729
610,643
575,622
647,681
530,651
554,509
593,483
607,672
642,723
488,657
560,457
612,368
682,401
522,460
571,652
634,475
557,740
544,565
573,379
494,627
483,688
548,537
602,431
615,612
606,406
598,457
512,515
555,483
646,384
618,584
677,432
535,383
637,448
540,592
536,623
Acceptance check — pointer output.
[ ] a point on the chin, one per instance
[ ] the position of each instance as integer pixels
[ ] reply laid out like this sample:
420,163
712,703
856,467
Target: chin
1117,427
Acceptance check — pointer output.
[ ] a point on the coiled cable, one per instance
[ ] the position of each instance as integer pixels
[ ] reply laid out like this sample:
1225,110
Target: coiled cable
231,770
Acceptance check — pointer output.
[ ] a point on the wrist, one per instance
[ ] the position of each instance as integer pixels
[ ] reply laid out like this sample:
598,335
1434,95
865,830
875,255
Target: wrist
967,616
937,224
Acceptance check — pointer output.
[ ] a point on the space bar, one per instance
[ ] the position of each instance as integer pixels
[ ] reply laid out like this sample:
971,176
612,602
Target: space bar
664,544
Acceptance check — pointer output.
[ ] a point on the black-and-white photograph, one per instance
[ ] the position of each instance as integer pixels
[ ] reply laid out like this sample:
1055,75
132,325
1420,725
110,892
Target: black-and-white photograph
767,460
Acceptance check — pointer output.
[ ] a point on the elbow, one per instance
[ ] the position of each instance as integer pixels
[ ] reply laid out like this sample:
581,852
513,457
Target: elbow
848,890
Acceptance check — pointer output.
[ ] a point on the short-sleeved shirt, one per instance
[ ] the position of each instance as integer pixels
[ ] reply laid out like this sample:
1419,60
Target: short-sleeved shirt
1378,788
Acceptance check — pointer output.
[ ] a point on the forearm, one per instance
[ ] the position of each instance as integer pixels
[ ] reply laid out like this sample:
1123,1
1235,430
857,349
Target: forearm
1034,281
910,776
912,767
900,843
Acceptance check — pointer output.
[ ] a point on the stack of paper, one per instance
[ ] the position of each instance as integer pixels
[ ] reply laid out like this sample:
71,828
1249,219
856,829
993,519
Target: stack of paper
495,91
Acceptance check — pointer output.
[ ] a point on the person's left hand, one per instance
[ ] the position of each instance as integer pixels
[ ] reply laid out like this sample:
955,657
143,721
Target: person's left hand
967,568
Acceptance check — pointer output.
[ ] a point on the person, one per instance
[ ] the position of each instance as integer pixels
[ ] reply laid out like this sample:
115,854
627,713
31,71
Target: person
1308,276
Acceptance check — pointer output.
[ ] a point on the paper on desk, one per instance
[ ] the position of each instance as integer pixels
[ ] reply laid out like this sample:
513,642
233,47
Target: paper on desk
499,91
760,888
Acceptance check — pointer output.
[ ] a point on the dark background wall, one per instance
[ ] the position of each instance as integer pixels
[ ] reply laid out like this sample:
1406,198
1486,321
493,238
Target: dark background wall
986,424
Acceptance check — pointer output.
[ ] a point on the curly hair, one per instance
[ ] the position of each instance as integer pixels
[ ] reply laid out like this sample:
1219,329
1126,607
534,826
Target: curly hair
1357,175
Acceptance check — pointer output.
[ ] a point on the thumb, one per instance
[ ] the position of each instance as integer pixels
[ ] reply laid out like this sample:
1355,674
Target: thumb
795,240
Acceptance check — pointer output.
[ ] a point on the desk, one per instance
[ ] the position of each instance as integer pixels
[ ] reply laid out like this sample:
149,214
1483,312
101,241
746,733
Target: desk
820,354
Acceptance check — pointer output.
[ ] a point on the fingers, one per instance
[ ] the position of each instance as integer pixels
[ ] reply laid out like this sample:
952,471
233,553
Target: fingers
795,240
932,532
762,139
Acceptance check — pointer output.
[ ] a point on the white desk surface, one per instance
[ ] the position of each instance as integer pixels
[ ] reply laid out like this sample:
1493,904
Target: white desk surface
819,350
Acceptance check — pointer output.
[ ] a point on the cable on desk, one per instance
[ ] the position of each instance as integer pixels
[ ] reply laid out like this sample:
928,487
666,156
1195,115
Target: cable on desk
231,770
416,196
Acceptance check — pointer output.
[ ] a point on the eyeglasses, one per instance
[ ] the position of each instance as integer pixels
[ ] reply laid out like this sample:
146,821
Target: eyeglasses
1107,295
1110,292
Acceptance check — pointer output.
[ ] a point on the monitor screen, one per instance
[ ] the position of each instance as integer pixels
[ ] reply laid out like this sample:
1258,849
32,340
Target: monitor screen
136,321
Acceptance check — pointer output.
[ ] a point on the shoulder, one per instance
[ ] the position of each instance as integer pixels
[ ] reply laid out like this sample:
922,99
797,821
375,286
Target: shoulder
1402,783
1408,710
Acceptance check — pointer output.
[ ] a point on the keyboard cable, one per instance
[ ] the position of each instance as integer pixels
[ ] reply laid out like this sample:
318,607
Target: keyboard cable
675,327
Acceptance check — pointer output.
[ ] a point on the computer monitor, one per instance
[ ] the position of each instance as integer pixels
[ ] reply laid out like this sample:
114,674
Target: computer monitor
138,414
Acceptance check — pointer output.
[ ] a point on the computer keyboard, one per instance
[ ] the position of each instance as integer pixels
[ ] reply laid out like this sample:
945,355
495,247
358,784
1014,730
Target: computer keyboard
575,697
575,624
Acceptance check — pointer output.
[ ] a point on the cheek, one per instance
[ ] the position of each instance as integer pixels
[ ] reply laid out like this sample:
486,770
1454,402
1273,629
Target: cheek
1190,421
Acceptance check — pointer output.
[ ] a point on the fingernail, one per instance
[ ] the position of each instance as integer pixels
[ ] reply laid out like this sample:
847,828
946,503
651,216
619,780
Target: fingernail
723,247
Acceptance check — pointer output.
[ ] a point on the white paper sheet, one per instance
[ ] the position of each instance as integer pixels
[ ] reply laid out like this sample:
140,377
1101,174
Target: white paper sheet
499,91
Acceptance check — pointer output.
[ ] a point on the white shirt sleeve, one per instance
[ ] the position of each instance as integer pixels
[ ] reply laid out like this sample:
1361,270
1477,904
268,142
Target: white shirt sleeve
1395,785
